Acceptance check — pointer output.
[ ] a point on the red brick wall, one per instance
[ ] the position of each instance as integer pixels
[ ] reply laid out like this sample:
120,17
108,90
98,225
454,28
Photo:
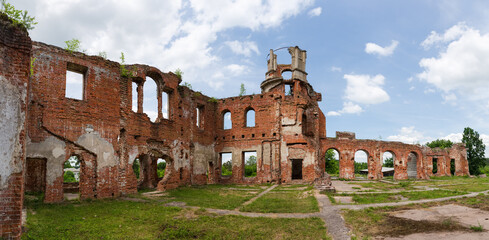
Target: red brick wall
15,47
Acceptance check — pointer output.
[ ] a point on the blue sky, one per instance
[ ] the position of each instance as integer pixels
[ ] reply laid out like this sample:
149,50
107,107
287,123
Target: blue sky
410,71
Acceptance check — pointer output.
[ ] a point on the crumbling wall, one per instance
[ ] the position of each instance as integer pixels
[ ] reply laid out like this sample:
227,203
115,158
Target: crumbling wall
15,48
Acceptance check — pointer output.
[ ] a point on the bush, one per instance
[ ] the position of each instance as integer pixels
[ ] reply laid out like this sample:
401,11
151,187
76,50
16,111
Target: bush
484,170
69,177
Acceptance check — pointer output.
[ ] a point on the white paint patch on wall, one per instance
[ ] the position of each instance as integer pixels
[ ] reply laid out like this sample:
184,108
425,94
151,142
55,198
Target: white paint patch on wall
11,124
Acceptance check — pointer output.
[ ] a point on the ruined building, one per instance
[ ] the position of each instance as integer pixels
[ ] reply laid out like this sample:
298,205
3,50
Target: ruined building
42,128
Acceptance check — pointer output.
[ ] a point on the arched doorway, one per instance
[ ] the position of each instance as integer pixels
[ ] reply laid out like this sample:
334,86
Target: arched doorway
412,165
361,164
388,159
332,161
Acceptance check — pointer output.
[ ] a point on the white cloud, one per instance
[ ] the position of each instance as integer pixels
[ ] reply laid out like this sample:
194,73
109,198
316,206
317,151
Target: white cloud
333,113
451,34
372,48
348,108
408,135
335,69
361,89
236,69
165,34
365,89
462,67
243,48
315,12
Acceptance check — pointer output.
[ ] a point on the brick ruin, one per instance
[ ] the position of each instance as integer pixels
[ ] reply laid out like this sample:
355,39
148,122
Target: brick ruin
42,128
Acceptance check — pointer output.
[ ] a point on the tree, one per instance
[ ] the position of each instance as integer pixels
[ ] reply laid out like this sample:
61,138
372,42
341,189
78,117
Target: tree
332,165
227,168
73,45
18,16
250,167
440,143
475,150
388,162
242,90
160,169
69,177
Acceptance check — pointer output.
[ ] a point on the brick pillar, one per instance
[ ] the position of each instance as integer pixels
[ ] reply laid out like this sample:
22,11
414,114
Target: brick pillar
15,50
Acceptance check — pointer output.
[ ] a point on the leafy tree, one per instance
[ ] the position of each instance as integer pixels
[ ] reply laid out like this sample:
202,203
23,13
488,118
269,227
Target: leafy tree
360,166
67,164
227,168
332,165
250,167
18,16
475,150
136,167
160,169
73,45
388,162
69,177
440,143
242,90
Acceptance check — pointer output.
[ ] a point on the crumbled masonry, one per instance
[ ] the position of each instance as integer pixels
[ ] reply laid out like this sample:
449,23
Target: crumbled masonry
41,129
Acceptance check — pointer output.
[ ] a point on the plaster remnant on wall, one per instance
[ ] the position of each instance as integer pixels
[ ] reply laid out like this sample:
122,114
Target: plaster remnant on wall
101,147
203,154
54,150
11,125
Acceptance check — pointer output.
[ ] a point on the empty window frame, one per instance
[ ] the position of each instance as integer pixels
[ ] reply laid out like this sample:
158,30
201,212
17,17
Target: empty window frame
199,120
249,159
150,101
288,89
134,106
75,81
165,101
226,164
226,118
250,117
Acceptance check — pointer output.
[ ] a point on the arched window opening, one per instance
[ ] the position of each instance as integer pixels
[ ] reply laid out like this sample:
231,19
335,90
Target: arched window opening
286,75
226,164
136,168
361,162
160,167
388,159
332,161
134,91
199,119
148,171
250,118
412,165
150,102
249,159
71,177
165,100
227,123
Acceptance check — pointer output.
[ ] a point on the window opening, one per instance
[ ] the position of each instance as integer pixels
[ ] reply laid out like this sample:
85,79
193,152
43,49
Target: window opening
226,164
250,164
227,120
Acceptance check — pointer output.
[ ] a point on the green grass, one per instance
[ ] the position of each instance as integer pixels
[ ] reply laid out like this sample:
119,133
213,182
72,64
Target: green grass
284,201
396,197
382,186
214,196
468,187
113,219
